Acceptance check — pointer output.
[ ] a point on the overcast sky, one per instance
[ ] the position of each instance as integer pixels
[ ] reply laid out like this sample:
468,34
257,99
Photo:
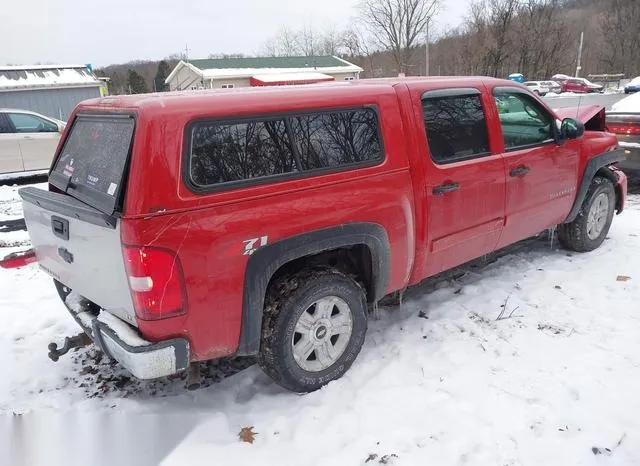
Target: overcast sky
116,31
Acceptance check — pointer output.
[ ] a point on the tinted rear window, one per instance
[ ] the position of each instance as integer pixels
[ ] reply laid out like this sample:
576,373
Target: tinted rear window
335,139
257,150
93,159
242,151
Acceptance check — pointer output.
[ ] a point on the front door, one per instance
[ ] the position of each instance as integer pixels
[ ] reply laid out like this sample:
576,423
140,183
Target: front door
38,139
10,158
541,174
464,179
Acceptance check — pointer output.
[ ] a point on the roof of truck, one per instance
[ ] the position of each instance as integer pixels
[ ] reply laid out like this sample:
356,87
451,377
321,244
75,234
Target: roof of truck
183,99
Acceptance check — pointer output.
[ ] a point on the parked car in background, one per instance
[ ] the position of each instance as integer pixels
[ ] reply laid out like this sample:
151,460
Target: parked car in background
270,224
632,86
28,141
624,121
537,87
581,86
516,77
560,79
553,86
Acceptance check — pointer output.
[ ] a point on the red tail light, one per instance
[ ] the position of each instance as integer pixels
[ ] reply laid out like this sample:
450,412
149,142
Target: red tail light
156,282
633,130
18,259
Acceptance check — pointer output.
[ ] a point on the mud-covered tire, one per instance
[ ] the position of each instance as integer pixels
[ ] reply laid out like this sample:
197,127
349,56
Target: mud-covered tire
577,235
287,299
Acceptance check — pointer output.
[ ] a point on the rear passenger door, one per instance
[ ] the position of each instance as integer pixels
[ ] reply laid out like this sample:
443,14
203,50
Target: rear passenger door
10,157
464,179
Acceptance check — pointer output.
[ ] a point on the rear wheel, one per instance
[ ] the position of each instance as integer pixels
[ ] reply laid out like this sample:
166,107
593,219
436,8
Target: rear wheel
313,328
590,227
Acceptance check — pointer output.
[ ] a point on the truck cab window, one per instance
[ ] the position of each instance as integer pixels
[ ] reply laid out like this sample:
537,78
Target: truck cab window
524,121
456,127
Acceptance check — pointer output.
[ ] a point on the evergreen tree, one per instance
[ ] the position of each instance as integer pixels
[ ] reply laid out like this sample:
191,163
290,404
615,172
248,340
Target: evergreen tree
136,82
161,76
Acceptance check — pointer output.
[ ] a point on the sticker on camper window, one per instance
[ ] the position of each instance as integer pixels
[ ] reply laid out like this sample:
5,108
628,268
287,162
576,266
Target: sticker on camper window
112,189
92,180
68,168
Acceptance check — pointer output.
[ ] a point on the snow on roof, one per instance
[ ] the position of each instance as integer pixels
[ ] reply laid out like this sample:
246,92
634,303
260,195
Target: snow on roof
248,72
49,76
629,104
339,66
279,77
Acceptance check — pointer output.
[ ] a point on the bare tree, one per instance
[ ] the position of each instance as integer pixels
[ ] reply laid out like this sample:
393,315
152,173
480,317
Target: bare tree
331,41
540,34
398,25
501,14
352,42
357,48
308,41
284,44
621,30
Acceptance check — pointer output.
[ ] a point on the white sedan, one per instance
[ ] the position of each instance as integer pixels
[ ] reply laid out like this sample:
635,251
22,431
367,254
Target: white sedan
537,87
28,141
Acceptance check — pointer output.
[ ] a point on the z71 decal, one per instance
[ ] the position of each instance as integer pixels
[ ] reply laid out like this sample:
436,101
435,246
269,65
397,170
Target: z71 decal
250,245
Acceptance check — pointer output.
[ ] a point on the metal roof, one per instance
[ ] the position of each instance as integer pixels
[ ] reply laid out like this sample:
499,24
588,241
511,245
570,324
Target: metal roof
270,62
46,76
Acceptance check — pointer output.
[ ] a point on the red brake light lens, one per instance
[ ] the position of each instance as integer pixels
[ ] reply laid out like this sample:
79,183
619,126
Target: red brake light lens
624,129
156,282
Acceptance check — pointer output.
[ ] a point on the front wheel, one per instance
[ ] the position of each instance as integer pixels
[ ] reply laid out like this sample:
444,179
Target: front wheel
313,328
590,227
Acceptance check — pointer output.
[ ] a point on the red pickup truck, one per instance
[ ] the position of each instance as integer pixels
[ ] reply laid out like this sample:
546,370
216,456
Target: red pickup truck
187,227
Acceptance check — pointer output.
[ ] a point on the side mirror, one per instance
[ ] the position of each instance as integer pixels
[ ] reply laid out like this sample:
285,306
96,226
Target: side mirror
571,129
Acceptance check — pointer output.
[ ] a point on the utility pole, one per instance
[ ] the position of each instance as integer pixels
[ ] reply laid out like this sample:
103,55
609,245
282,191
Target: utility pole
578,66
426,47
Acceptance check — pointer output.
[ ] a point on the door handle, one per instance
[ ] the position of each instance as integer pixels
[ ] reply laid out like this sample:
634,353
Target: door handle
60,227
519,171
445,188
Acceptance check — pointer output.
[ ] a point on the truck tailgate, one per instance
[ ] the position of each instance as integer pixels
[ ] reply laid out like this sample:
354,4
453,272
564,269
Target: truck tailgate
80,247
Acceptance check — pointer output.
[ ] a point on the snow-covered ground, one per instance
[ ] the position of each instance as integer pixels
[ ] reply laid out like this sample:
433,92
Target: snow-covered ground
441,380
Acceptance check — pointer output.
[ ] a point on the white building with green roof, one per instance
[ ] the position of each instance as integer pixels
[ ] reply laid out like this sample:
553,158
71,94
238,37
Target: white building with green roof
228,73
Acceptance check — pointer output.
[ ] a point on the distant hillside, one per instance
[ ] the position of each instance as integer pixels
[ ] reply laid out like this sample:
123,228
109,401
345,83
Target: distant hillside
539,38
118,73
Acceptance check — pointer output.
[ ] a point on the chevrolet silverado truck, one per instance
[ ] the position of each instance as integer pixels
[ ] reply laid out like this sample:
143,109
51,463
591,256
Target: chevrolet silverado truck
186,227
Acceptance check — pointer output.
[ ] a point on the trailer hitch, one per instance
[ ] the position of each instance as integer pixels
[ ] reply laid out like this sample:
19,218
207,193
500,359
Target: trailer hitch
78,341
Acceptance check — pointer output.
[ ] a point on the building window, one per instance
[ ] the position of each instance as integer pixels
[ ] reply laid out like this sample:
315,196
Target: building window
227,86
349,78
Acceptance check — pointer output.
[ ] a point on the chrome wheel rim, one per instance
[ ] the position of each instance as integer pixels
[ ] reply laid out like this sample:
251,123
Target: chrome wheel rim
322,333
597,216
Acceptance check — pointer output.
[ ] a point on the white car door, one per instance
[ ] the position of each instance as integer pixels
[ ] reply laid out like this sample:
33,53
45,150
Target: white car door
38,139
10,157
